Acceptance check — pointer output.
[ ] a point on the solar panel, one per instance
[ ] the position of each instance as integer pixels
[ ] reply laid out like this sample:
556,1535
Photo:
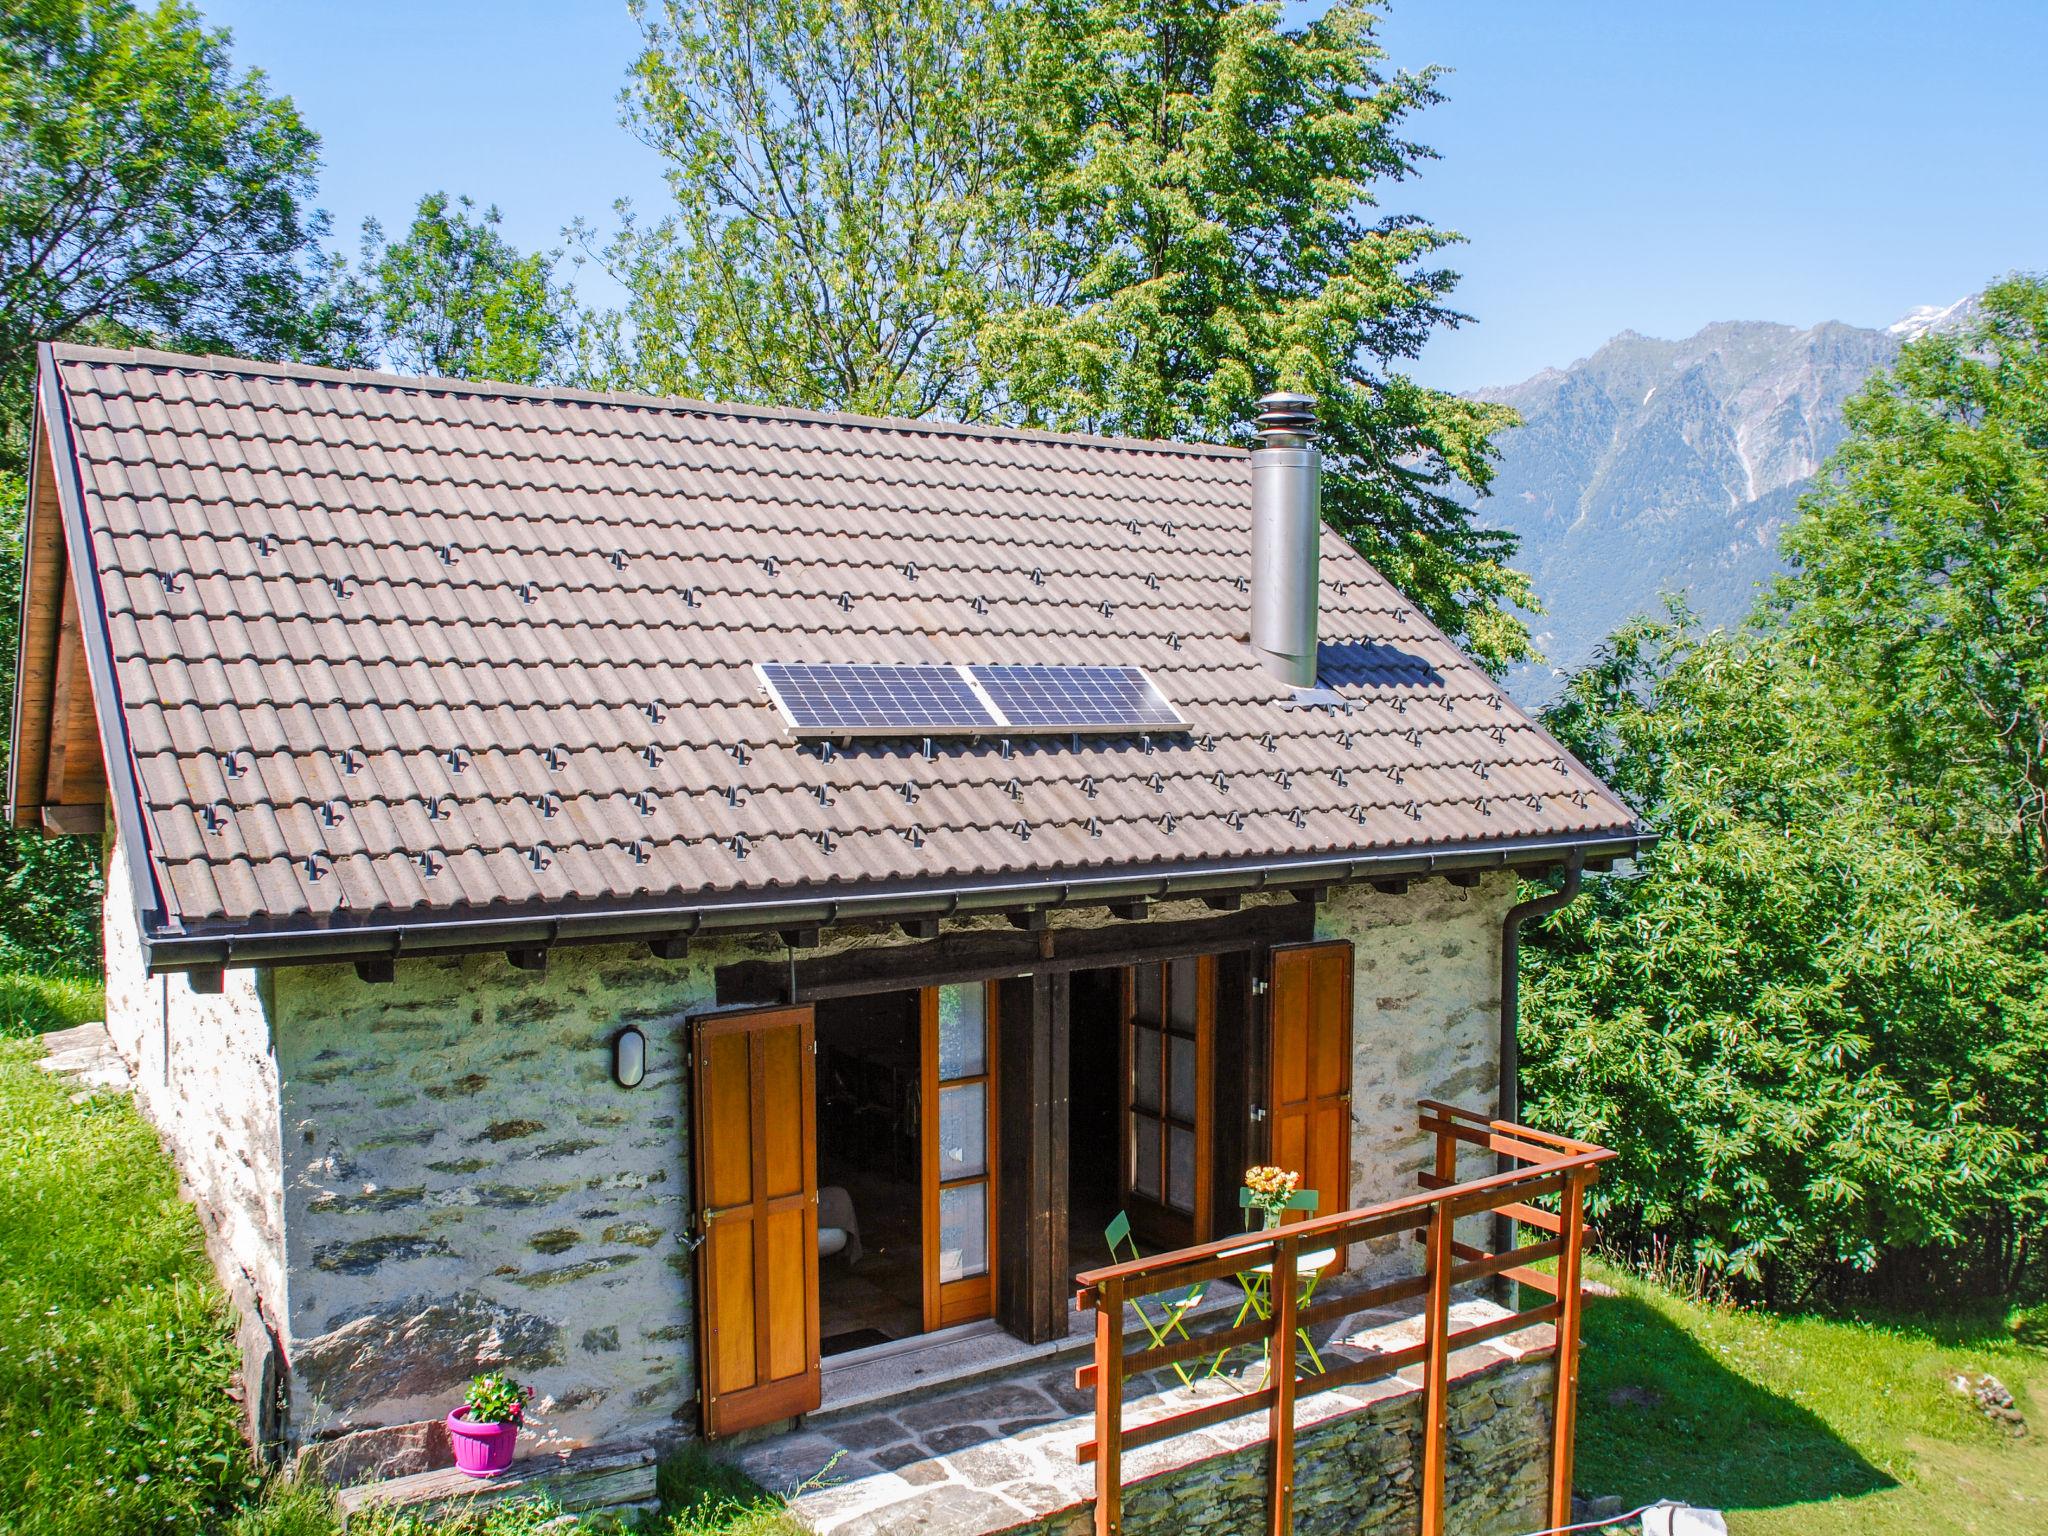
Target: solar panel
837,699
1044,698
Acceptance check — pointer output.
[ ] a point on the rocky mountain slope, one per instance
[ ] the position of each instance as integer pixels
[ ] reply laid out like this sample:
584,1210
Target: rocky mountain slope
1657,466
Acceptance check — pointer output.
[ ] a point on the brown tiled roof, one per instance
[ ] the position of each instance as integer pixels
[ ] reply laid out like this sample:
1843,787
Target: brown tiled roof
392,649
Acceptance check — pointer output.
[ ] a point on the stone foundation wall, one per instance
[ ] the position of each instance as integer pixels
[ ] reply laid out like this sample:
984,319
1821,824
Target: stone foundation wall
1359,1474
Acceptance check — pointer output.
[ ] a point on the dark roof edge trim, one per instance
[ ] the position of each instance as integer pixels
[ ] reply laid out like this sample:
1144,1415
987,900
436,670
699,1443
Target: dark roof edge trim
750,913
145,870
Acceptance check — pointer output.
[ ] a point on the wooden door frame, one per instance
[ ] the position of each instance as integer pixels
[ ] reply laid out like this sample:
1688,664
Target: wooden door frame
973,1298
764,1402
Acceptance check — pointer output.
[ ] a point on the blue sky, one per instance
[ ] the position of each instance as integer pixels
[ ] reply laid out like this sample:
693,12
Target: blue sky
1652,165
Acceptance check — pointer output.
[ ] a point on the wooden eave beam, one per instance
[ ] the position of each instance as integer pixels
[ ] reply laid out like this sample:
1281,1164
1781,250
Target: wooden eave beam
74,820
43,584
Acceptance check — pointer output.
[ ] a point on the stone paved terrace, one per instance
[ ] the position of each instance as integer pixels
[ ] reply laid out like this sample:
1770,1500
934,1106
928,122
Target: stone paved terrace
997,1456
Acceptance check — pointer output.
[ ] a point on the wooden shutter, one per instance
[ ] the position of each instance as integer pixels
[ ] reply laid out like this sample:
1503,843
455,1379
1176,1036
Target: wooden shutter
756,1165
1309,1072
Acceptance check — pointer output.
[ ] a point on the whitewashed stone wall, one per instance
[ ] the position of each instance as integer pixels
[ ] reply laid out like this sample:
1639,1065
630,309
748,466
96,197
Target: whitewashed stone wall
206,1076
1425,1025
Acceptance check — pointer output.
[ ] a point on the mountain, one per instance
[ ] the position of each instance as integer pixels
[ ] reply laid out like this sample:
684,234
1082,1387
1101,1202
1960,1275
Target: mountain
1657,466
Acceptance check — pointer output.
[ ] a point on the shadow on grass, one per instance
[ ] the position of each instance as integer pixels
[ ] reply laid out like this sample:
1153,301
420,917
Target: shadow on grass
1661,1418
33,1004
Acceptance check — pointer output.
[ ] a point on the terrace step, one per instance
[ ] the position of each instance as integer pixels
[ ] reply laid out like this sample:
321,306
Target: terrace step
596,1477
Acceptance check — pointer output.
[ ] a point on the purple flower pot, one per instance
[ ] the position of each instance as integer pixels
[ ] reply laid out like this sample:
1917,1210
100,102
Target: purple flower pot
481,1450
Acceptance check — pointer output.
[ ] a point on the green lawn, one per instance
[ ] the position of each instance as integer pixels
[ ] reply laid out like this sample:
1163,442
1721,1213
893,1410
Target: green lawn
1809,1424
34,1005
116,1346
115,1360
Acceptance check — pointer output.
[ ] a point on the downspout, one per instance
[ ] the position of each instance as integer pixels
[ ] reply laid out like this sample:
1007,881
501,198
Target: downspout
1509,1100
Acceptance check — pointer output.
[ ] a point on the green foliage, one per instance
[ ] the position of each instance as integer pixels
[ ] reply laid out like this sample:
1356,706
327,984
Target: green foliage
146,189
829,165
1815,1020
495,1398
1200,196
455,299
115,1347
1921,587
702,1497
1806,1042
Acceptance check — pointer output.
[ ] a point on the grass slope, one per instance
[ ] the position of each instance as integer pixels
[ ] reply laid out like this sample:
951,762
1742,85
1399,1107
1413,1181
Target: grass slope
1809,1424
116,1347
114,1342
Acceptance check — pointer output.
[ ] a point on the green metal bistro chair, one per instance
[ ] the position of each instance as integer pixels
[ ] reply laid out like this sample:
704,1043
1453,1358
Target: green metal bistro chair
1257,1283
1173,1319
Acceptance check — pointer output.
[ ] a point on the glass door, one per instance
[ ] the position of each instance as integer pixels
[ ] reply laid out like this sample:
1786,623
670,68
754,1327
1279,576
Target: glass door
959,1132
1169,1022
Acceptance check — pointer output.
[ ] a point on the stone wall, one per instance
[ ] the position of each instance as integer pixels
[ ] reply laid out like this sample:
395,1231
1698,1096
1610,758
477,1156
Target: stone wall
206,1076
1358,1473
1425,1025
466,1188
437,1175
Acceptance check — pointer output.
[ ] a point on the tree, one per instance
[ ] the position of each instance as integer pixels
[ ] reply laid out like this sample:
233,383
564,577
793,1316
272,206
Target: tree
1814,1048
147,190
1199,193
829,164
1920,587
1816,1020
456,299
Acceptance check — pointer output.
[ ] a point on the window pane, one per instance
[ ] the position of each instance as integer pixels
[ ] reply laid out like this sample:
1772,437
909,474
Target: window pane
1145,993
1180,1168
1182,994
963,1131
963,1231
963,1030
1180,1079
1145,1156
1145,1068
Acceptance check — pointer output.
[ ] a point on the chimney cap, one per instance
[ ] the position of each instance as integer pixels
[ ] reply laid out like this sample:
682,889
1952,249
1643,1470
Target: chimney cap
1284,415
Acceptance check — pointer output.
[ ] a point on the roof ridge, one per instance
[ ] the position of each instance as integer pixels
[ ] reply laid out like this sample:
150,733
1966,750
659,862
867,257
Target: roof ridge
213,362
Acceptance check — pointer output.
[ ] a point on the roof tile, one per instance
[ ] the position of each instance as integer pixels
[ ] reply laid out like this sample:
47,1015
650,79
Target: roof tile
441,586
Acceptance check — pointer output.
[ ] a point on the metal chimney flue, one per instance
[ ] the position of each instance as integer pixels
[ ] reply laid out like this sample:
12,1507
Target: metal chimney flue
1287,522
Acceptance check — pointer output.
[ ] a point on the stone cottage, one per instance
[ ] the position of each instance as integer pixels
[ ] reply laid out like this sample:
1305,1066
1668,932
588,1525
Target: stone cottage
664,898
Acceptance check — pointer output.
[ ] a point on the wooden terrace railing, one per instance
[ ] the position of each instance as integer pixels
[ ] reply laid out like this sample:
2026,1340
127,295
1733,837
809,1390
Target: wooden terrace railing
1538,1166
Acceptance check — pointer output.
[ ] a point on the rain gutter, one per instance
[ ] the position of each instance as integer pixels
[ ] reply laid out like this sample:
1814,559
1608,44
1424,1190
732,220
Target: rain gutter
175,948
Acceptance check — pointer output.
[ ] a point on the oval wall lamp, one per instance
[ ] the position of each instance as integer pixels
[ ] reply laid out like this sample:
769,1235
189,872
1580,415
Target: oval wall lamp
629,1057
